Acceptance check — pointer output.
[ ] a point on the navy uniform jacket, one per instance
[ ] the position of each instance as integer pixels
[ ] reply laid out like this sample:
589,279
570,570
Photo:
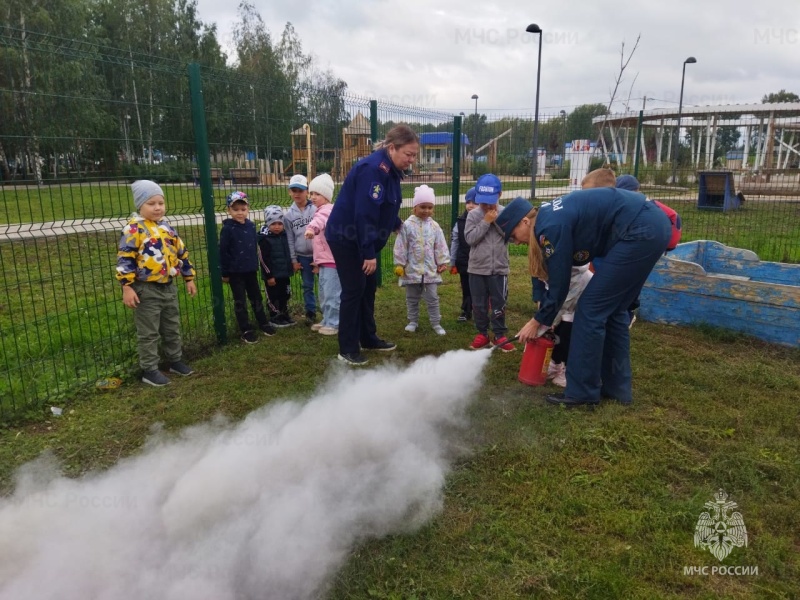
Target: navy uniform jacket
367,207
576,228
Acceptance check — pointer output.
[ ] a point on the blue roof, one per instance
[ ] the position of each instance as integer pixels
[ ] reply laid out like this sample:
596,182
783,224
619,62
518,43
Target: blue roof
440,138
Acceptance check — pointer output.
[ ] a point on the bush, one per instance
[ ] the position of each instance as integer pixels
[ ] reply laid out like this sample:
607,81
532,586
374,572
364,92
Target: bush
561,172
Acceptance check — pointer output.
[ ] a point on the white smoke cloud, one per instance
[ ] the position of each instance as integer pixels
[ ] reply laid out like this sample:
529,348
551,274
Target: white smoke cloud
268,508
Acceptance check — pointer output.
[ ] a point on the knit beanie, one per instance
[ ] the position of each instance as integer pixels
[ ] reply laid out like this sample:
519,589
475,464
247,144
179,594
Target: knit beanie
424,195
272,214
322,184
143,190
628,182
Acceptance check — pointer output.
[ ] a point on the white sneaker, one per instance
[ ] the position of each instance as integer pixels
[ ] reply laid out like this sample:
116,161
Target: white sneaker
411,327
561,379
438,329
554,369
316,327
328,330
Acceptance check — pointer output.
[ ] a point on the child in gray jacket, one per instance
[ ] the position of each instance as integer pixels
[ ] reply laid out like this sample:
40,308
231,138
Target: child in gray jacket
488,265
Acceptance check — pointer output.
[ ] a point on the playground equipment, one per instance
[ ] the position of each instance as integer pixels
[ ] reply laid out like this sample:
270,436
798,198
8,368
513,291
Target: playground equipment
579,154
491,159
356,142
304,152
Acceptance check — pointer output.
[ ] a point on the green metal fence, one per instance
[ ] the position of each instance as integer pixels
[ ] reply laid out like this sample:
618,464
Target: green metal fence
69,150
67,159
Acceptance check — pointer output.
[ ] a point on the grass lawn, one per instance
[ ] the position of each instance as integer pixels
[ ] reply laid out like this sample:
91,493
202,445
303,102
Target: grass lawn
546,503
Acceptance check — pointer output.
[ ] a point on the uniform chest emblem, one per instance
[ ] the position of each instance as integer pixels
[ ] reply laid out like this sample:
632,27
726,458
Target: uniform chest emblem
377,191
581,256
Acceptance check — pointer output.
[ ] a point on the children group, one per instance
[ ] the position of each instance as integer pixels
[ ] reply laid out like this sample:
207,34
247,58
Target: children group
151,256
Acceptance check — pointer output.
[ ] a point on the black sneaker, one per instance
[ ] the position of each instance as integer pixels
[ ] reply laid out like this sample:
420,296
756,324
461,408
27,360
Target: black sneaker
180,368
381,345
462,317
250,337
354,359
268,329
282,321
311,316
155,378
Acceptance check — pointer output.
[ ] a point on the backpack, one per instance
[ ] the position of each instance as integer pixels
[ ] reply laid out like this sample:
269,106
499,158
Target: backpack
675,220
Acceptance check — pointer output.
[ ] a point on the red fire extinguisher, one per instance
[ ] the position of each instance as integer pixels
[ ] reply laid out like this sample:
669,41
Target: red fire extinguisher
536,359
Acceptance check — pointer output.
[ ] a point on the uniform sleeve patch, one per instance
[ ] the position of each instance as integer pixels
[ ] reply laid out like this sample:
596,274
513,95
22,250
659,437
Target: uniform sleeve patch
581,256
546,246
376,190
384,167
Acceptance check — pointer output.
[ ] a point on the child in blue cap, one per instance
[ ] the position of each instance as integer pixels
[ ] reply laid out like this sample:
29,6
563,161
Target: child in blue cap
488,265
238,256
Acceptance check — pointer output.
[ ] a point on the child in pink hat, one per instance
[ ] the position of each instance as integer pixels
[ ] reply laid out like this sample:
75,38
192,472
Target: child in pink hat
421,254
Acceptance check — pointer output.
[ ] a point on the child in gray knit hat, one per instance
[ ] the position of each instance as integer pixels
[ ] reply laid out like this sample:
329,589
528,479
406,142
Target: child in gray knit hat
151,255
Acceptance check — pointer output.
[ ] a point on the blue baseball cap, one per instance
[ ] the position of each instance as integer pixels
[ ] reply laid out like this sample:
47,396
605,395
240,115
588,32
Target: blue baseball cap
628,182
512,214
488,188
470,195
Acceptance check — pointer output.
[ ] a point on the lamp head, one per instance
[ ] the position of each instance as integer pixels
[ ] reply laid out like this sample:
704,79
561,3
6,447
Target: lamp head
474,96
533,28
690,60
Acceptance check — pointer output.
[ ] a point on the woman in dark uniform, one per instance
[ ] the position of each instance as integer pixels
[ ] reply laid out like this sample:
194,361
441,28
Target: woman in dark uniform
630,234
365,213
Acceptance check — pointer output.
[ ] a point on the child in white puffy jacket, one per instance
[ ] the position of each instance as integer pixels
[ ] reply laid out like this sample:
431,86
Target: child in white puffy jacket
562,324
421,254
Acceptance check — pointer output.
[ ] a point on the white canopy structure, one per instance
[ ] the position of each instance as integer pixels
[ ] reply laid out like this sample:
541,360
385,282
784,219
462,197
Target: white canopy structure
775,127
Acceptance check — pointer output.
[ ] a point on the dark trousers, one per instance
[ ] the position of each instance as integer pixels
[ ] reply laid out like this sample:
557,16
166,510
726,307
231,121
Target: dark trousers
466,297
489,295
244,286
561,350
279,295
357,311
599,355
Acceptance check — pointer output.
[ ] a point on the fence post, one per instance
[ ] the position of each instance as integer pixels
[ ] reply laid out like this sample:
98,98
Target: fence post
207,195
373,132
638,144
456,191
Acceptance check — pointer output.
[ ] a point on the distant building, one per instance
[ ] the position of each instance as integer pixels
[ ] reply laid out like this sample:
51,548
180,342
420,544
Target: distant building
436,150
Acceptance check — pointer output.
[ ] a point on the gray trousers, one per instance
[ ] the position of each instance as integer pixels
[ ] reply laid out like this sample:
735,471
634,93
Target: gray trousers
428,292
157,315
486,289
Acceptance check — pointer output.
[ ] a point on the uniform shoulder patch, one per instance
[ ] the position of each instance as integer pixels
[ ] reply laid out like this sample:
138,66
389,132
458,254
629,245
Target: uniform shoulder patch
546,246
384,167
376,190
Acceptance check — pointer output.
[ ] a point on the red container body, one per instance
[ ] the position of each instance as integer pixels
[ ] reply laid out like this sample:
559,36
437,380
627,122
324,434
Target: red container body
535,360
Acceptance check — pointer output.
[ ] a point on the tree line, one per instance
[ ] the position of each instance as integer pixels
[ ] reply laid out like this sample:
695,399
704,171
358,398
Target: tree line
94,85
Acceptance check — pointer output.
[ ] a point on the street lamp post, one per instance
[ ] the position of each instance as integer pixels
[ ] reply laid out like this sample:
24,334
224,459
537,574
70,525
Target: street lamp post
475,137
690,60
563,114
534,28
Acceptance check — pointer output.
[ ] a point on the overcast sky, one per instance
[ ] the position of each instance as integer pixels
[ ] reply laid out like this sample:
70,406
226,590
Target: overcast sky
438,54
